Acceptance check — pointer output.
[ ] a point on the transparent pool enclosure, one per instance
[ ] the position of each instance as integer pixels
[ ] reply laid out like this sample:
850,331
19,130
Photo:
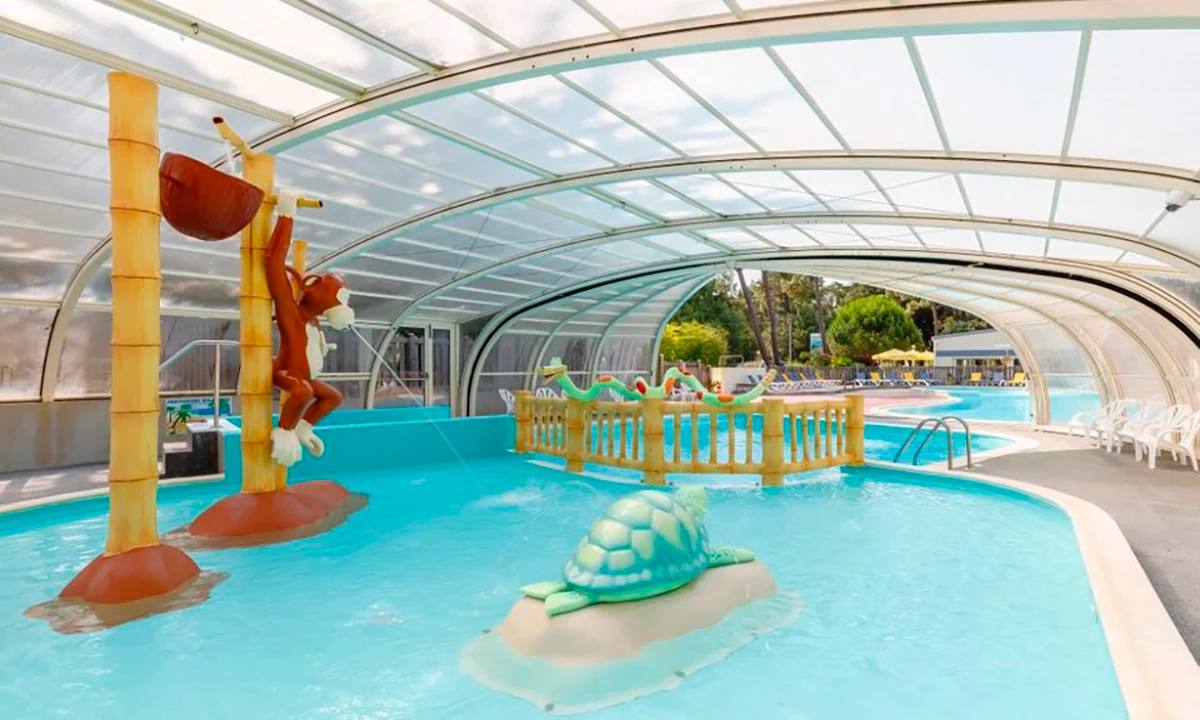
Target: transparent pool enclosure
507,182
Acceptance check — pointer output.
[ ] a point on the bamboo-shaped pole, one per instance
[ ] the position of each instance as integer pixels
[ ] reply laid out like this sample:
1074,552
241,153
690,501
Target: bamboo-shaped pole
772,442
524,412
854,429
255,389
136,281
653,472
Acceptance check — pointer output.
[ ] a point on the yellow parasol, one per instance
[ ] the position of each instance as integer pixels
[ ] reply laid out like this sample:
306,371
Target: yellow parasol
921,356
893,355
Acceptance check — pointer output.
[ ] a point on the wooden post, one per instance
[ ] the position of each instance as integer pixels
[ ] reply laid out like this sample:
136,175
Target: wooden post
136,281
772,442
654,465
575,430
300,263
855,421
255,389
524,412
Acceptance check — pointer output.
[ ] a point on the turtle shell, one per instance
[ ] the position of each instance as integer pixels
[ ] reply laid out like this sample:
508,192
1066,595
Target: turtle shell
644,540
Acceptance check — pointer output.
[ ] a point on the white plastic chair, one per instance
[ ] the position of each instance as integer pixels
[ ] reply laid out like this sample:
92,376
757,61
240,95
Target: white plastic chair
1134,429
510,401
612,395
1111,416
1155,439
546,393
1149,414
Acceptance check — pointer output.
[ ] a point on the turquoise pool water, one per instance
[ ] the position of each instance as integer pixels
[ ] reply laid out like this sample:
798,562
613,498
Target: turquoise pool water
922,598
1005,405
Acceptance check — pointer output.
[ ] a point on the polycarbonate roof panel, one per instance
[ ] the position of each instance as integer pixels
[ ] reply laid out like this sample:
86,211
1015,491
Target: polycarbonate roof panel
852,81
1134,105
1003,92
113,31
844,190
1130,210
554,103
786,236
777,190
1010,198
633,13
948,238
422,28
591,208
720,198
920,192
650,98
748,89
413,146
649,196
681,243
276,25
531,22
1012,244
474,117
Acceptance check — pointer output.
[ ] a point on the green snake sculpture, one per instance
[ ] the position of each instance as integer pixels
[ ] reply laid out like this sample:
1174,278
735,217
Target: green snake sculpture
557,372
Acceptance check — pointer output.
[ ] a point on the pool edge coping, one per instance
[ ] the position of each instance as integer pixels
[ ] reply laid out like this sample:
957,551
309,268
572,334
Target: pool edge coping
1156,672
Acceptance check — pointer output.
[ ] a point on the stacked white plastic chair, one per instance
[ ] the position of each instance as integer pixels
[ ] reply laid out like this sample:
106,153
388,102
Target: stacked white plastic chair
510,401
1157,417
1146,415
546,393
1110,418
1178,437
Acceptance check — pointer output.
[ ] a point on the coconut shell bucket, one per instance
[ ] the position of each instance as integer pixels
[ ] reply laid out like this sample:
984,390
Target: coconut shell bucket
202,202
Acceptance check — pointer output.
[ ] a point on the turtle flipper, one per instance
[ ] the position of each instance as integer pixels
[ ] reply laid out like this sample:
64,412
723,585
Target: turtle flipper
543,590
567,601
728,555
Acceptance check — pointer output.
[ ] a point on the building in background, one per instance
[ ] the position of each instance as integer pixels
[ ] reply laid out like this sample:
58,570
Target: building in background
978,347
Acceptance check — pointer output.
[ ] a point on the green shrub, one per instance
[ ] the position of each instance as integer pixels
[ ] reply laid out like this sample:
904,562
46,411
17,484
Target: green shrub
690,341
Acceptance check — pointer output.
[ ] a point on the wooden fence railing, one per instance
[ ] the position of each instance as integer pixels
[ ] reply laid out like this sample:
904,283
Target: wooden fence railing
770,438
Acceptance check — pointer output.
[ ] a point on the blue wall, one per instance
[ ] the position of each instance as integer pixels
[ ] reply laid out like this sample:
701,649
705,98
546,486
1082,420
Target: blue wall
373,445
355,417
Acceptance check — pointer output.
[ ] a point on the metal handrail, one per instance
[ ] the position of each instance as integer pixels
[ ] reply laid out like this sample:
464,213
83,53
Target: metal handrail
937,422
966,431
218,344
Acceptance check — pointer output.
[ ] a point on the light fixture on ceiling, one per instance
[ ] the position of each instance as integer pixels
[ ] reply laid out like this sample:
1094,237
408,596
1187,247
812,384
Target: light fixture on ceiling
1177,199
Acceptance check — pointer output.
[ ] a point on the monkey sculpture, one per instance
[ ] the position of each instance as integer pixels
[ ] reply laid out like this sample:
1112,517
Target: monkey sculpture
302,345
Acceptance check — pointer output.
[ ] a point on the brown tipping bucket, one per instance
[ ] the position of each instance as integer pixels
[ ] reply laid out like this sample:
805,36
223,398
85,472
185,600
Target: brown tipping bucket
202,202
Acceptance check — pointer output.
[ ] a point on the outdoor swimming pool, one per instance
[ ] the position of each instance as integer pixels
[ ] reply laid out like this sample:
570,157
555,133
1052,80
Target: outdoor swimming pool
1004,405
921,596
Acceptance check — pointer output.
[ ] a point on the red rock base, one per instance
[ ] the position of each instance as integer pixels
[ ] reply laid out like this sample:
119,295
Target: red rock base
116,589
250,519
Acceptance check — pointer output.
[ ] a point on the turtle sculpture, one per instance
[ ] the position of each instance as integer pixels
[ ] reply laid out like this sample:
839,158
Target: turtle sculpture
647,543
556,371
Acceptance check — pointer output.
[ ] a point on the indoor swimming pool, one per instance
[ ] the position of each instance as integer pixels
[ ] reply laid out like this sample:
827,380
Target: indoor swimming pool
920,596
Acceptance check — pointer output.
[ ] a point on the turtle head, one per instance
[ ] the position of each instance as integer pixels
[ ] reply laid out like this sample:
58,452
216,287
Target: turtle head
554,370
695,499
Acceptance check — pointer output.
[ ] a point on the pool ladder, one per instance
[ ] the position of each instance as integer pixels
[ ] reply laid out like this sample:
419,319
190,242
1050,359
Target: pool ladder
942,422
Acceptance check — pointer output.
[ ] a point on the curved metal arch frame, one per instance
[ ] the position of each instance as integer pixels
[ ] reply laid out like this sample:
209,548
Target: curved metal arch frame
652,356
1143,293
1122,241
1153,350
840,20
849,19
537,358
1085,353
1155,353
1149,177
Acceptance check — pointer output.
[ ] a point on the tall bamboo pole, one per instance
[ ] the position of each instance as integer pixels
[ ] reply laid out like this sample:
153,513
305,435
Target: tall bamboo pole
136,281
654,463
772,442
300,263
255,389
